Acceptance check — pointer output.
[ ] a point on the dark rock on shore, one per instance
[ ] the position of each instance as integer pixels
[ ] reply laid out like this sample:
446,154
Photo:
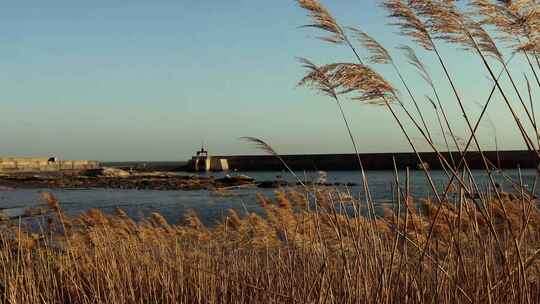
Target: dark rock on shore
237,180
121,179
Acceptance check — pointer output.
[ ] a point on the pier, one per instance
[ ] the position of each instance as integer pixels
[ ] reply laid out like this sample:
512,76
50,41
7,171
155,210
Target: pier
43,164
371,161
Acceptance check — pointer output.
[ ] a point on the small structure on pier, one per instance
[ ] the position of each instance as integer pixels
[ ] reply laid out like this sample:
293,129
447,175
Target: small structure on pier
203,162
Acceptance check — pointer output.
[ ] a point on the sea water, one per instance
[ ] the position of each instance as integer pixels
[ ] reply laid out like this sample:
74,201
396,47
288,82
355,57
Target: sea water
212,206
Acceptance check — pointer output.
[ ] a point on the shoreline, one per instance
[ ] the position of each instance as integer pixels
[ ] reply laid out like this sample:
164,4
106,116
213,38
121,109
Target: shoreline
164,181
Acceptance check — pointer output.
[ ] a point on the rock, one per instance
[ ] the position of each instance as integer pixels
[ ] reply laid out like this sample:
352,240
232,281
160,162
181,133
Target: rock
106,172
91,172
113,172
31,212
155,174
235,180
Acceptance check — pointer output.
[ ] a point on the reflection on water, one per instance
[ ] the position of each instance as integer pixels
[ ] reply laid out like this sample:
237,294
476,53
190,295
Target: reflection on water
212,206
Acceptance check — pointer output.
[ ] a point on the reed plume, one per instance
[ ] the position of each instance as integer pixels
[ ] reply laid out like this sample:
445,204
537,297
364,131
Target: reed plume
418,64
366,84
316,78
420,67
320,79
377,53
233,220
408,22
446,22
262,145
380,55
191,220
513,19
323,20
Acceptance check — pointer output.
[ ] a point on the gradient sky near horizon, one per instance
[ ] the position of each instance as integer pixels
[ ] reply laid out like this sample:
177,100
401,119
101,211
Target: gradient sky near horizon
151,80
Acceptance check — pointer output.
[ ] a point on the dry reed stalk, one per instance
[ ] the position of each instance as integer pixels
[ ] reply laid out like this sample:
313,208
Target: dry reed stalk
262,145
321,79
379,55
420,67
454,27
477,125
373,89
447,23
411,25
339,232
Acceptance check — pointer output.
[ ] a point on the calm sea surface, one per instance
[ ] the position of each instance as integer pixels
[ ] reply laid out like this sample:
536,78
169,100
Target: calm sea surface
212,206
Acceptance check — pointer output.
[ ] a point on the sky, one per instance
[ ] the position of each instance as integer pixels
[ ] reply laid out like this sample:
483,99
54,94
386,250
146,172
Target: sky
152,80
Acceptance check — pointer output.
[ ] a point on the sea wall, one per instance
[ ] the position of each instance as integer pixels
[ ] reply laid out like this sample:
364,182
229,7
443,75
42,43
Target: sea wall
41,164
376,161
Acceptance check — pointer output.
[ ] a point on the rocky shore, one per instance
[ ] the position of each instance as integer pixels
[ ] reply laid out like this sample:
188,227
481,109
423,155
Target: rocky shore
109,178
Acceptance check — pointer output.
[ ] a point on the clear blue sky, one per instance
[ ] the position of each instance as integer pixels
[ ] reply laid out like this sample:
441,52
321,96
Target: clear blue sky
150,80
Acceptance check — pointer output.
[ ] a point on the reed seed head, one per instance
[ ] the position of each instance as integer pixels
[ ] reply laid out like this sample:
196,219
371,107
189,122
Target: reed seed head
323,20
377,53
363,82
408,22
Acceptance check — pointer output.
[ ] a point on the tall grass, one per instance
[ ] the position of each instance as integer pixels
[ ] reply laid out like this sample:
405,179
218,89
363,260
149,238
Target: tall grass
289,256
465,244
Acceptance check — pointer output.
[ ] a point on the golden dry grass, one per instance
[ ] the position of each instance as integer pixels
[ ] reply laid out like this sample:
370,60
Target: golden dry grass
292,255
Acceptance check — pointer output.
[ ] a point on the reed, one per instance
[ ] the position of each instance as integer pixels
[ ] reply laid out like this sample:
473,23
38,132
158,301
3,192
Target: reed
464,244
290,255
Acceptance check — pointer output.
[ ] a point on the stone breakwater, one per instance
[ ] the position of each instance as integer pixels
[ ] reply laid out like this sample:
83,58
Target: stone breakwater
43,164
376,161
